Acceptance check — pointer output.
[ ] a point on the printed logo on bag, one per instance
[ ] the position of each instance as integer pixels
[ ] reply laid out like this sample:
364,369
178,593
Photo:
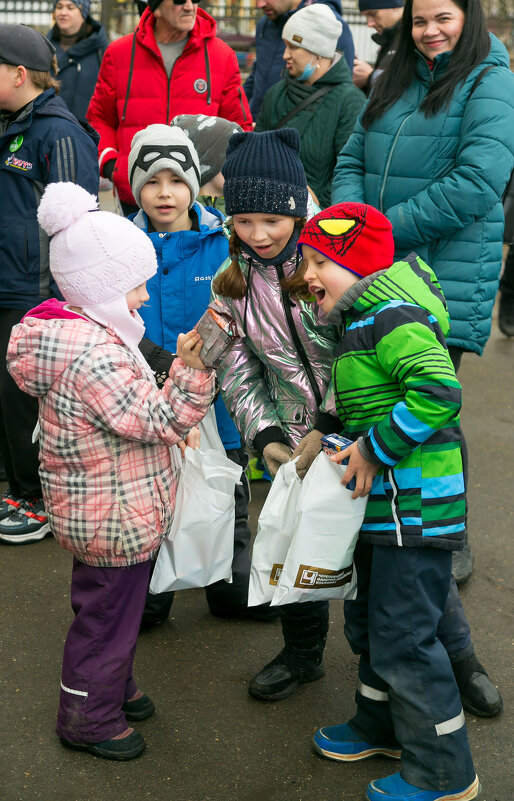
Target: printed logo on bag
311,578
200,86
276,570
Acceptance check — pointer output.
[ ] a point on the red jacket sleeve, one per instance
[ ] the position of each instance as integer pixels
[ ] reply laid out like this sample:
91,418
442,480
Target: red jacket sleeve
234,106
102,113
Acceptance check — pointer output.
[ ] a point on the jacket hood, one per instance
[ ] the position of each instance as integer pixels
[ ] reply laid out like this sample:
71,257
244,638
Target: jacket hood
42,347
97,40
210,220
204,28
410,281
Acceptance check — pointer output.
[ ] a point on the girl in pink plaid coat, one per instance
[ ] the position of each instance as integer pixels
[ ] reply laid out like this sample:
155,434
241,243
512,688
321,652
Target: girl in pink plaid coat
108,453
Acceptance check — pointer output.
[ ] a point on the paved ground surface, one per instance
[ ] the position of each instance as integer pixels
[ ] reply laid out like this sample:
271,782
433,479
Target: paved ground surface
209,741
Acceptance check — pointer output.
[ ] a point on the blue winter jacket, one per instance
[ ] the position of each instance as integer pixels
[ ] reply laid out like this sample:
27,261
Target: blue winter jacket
180,291
78,67
268,66
43,145
440,181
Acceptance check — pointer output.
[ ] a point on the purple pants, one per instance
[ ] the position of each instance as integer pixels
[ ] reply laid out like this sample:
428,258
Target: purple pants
99,650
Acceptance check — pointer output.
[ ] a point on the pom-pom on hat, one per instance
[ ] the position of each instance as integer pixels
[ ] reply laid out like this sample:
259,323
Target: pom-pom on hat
354,235
210,136
263,173
315,28
163,147
95,256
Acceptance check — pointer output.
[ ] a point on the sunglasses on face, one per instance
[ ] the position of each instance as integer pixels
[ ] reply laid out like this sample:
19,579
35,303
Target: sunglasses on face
183,2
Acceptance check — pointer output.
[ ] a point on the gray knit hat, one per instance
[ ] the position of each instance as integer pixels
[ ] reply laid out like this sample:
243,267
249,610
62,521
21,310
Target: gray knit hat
163,147
210,137
315,28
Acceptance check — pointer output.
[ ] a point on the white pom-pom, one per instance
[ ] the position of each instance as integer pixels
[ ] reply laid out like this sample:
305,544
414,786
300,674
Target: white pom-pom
62,204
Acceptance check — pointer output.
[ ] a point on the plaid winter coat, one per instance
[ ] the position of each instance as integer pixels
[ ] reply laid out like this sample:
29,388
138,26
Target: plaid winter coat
108,474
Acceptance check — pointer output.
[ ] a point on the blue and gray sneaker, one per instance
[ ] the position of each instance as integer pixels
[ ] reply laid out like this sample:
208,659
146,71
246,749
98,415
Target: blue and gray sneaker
344,745
394,788
26,523
8,504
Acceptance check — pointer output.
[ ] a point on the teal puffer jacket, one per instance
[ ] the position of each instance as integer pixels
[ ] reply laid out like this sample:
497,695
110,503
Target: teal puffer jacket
440,181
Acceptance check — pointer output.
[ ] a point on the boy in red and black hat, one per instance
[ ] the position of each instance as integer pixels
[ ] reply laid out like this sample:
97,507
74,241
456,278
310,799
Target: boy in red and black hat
398,398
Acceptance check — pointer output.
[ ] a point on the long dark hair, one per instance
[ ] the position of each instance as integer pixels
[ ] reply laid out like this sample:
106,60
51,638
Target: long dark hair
471,49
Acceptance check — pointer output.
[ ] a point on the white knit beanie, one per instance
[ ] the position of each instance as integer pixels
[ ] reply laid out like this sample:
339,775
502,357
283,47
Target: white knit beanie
163,147
315,28
95,256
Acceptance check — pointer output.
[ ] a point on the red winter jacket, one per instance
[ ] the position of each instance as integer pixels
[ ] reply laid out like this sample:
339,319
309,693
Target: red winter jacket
205,80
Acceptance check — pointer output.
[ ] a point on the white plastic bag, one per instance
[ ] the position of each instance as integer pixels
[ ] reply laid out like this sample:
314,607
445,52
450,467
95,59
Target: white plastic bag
275,529
200,545
209,435
319,562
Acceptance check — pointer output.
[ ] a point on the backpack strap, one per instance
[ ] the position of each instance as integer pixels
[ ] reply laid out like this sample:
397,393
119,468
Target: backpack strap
300,107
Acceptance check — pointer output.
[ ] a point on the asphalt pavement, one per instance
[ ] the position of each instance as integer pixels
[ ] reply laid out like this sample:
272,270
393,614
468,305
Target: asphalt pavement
209,740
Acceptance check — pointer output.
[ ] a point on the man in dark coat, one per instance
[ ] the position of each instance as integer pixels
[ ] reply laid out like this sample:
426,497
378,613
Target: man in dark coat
385,17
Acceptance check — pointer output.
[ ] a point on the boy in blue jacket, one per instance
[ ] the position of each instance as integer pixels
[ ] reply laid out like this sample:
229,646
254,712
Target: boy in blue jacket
41,142
165,178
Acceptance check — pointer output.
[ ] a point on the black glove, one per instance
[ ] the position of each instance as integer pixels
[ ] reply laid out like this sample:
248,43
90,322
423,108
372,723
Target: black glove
158,358
108,168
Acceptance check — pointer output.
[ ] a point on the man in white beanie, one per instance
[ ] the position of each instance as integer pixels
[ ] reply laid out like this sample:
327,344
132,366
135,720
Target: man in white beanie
269,47
317,97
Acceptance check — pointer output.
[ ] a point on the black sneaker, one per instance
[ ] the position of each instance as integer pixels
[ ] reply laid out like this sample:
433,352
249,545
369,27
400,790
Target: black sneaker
122,750
27,523
8,504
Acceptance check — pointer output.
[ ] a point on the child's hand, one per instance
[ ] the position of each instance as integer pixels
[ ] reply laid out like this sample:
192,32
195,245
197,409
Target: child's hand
359,467
192,440
188,349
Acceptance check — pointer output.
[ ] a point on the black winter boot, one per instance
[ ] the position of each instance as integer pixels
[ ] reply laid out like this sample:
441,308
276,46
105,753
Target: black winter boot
477,692
305,628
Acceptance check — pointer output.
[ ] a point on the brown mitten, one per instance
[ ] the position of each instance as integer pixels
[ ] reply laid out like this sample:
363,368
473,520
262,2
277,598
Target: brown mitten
307,449
275,454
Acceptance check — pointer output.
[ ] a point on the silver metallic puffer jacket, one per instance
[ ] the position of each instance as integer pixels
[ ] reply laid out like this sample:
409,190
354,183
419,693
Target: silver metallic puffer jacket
263,380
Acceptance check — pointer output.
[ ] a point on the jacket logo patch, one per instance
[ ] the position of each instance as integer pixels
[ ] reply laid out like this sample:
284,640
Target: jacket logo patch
12,161
16,143
200,86
297,38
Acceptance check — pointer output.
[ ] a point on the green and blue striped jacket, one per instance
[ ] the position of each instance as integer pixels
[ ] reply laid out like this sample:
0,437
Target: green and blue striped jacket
395,384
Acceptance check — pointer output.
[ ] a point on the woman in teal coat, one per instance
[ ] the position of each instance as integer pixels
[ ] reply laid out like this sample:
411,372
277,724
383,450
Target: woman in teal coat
433,151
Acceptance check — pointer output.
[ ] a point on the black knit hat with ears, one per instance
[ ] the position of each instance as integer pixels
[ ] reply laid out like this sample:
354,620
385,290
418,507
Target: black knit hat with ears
263,173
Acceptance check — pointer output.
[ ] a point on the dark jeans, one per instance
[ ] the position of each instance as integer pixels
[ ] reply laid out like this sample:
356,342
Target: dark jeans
99,650
407,692
18,417
223,598
507,279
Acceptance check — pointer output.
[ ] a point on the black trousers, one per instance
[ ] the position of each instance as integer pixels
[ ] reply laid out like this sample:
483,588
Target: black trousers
18,417
507,279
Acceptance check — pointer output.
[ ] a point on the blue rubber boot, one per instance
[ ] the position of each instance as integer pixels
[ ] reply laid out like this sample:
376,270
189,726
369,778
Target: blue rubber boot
394,788
344,745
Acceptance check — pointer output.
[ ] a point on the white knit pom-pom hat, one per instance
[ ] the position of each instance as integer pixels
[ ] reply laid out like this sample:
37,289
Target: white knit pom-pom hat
95,256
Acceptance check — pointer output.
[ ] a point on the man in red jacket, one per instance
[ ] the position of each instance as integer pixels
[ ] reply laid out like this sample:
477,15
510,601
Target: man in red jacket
172,64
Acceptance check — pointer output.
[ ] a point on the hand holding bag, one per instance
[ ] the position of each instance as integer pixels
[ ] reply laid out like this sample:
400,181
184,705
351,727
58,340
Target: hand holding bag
200,545
275,530
319,563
